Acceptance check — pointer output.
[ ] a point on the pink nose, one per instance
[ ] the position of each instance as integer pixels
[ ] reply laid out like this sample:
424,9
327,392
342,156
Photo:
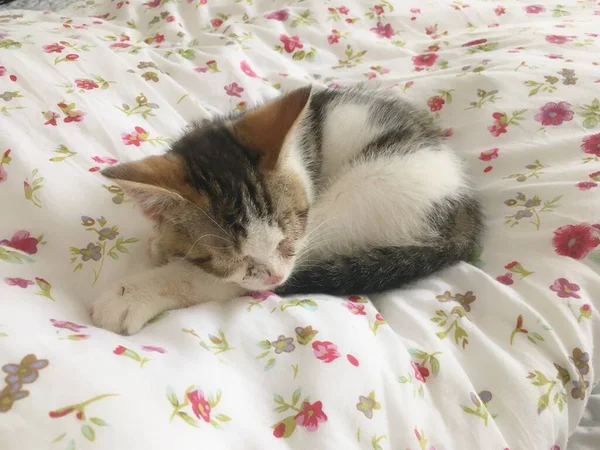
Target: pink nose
276,279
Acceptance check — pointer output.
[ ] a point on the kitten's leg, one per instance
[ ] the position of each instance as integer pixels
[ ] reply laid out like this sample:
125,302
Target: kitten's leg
127,306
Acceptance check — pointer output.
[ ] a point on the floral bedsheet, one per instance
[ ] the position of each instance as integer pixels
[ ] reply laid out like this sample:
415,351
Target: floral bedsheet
498,354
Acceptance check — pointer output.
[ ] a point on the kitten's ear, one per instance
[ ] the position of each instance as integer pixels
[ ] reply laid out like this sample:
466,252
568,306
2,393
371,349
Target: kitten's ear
155,183
264,129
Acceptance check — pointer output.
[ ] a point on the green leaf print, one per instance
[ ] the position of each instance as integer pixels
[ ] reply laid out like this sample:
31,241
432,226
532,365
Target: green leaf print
88,432
219,343
30,188
528,209
63,152
98,421
533,170
454,317
590,113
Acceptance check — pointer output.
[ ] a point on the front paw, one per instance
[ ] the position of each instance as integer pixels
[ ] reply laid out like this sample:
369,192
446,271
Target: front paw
125,308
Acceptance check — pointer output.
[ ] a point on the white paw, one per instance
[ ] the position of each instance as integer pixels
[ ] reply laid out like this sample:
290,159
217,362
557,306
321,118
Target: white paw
125,308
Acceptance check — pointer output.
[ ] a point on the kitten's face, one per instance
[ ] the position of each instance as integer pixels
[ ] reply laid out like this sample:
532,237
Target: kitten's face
252,242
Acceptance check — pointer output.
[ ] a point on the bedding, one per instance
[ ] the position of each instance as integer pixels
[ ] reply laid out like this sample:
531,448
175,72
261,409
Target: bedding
500,353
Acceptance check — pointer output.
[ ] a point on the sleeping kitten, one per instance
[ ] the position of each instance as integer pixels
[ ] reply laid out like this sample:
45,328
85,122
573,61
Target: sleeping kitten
324,191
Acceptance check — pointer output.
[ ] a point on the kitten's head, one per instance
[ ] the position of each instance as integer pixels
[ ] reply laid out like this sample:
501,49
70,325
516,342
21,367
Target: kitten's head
228,196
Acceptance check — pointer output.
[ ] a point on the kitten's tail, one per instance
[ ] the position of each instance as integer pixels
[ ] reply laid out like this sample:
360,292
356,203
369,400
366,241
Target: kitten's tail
374,270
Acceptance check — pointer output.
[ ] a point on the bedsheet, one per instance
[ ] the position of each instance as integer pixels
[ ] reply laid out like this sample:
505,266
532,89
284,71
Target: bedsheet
501,353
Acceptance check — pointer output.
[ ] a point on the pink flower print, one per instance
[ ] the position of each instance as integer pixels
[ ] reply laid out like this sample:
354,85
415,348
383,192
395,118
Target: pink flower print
505,279
534,9
290,43
281,15
247,70
20,282
383,31
200,406
234,90
2,71
553,56
591,144
72,57
574,241
136,138
415,10
170,19
53,48
436,103
355,308
474,42
119,350
325,351
378,10
201,69
498,127
586,185
421,373
64,324
431,29
105,160
3,174
554,113
216,23
565,289
310,416
425,59
558,39
334,37
488,155
86,84
51,118
153,348
119,45
499,10
153,3
22,241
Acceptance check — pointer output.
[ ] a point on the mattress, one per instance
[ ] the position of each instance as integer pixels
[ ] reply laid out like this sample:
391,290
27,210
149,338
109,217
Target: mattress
498,353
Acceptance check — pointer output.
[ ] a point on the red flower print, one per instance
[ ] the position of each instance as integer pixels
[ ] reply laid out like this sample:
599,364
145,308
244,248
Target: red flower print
70,326
421,373
575,241
72,57
201,69
475,42
433,48
378,10
499,10
379,317
105,160
497,129
170,19
311,415
431,29
334,37
158,38
488,155
534,9
61,412
554,113
86,84
234,90
119,350
136,138
383,31
343,10
246,69
2,71
505,279
436,103
564,289
53,48
354,298
281,15
591,144
216,23
325,351
279,430
355,308
558,39
290,43
553,56
425,59
510,265
21,282
586,185
200,406
23,241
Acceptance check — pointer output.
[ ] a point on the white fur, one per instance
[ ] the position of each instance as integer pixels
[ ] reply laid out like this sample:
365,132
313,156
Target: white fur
411,183
127,306
346,132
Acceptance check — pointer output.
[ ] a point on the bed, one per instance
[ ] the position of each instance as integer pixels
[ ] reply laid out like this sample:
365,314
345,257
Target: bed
498,353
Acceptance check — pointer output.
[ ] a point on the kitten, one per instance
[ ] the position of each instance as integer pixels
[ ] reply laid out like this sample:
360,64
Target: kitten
319,191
